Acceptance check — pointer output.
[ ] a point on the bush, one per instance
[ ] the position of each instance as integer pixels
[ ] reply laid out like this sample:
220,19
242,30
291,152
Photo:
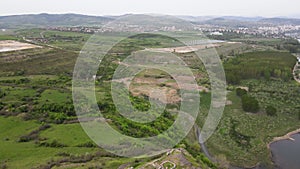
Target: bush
240,92
54,144
250,104
23,108
88,144
26,138
271,111
58,118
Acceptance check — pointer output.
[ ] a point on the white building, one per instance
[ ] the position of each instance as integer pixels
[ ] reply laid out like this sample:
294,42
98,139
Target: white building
216,33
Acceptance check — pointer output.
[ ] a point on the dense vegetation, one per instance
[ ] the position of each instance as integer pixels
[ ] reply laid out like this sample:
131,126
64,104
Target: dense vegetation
259,65
249,104
132,128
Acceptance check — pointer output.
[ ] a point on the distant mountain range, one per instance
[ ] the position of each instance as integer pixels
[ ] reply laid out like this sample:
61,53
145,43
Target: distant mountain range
46,20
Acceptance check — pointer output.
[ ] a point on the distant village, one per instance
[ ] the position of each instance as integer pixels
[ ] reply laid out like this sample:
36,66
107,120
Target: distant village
276,31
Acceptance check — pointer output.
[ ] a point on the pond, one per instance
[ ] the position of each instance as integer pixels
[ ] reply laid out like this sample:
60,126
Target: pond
286,153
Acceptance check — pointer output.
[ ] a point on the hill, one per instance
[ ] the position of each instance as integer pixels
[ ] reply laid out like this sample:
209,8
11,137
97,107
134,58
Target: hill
230,22
45,20
281,21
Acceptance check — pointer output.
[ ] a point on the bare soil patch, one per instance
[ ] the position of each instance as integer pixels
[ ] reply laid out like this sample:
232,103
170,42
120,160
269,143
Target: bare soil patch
11,45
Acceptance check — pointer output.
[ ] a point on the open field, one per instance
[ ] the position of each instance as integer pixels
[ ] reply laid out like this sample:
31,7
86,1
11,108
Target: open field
16,154
9,45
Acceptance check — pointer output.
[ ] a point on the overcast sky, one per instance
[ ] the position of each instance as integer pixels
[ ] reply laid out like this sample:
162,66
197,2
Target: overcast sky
267,8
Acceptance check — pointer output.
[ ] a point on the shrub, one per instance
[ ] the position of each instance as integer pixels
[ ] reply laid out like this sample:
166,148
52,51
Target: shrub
88,144
58,118
54,144
250,104
26,138
240,92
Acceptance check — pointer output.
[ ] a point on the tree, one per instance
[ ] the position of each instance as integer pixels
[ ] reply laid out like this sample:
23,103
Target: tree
250,104
271,111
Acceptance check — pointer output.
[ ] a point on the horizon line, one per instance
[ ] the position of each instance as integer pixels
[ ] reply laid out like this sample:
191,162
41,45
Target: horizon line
108,15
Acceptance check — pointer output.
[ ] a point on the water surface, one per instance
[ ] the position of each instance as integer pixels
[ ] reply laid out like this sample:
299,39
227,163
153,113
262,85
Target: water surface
286,153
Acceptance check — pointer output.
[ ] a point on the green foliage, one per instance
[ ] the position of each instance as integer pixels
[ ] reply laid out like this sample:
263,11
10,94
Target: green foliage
38,61
125,47
271,111
206,161
7,37
140,104
87,144
135,129
195,151
240,92
22,109
258,65
283,95
261,128
292,45
66,108
53,144
58,117
241,139
250,104
39,86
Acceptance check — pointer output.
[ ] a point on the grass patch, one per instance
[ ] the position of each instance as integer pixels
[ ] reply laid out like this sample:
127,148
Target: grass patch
54,96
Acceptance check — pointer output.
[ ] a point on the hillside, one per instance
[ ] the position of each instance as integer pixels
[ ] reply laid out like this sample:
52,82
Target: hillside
280,21
44,20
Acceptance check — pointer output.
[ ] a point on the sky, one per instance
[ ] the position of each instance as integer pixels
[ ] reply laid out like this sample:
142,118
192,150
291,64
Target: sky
266,8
